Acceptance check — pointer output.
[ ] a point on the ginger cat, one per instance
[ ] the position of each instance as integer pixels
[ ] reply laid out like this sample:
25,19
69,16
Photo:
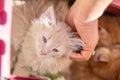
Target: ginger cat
106,62
82,71
109,26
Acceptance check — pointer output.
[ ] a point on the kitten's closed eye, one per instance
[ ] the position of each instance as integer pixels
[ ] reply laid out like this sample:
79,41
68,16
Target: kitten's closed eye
44,39
56,50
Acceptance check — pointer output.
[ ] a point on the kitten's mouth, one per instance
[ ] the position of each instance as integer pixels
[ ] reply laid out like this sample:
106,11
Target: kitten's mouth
43,53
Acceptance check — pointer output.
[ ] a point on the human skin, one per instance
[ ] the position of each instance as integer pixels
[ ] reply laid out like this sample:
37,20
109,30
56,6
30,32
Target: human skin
83,16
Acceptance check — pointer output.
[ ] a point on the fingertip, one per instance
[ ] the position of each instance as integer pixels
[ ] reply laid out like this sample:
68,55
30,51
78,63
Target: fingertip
86,55
75,55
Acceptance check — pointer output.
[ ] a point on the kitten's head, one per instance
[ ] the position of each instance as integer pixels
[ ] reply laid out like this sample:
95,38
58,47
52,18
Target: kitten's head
106,62
106,54
53,38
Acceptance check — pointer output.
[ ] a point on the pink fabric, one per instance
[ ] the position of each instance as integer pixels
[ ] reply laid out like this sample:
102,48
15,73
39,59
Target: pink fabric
12,77
117,3
3,15
2,51
114,7
5,31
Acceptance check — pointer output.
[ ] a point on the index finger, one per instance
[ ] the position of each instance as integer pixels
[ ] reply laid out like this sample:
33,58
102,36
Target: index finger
83,56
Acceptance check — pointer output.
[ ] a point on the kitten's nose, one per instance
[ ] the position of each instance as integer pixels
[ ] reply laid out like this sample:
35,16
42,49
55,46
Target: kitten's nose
43,52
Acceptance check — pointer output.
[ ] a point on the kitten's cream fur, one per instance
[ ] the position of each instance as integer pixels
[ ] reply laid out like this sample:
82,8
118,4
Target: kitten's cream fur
24,14
58,34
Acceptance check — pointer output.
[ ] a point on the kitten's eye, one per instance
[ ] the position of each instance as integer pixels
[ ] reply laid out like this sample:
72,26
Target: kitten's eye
56,50
44,39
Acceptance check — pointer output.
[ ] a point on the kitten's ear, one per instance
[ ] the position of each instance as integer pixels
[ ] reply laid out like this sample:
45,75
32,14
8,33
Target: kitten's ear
101,55
101,58
48,17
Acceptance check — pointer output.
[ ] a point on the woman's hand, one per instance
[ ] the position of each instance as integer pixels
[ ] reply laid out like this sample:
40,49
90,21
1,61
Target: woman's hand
83,16
88,30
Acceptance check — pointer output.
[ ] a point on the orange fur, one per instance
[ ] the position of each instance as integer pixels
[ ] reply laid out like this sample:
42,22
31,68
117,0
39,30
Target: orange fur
110,33
106,62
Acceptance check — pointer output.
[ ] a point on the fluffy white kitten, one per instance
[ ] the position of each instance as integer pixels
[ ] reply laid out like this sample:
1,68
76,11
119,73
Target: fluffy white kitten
46,46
